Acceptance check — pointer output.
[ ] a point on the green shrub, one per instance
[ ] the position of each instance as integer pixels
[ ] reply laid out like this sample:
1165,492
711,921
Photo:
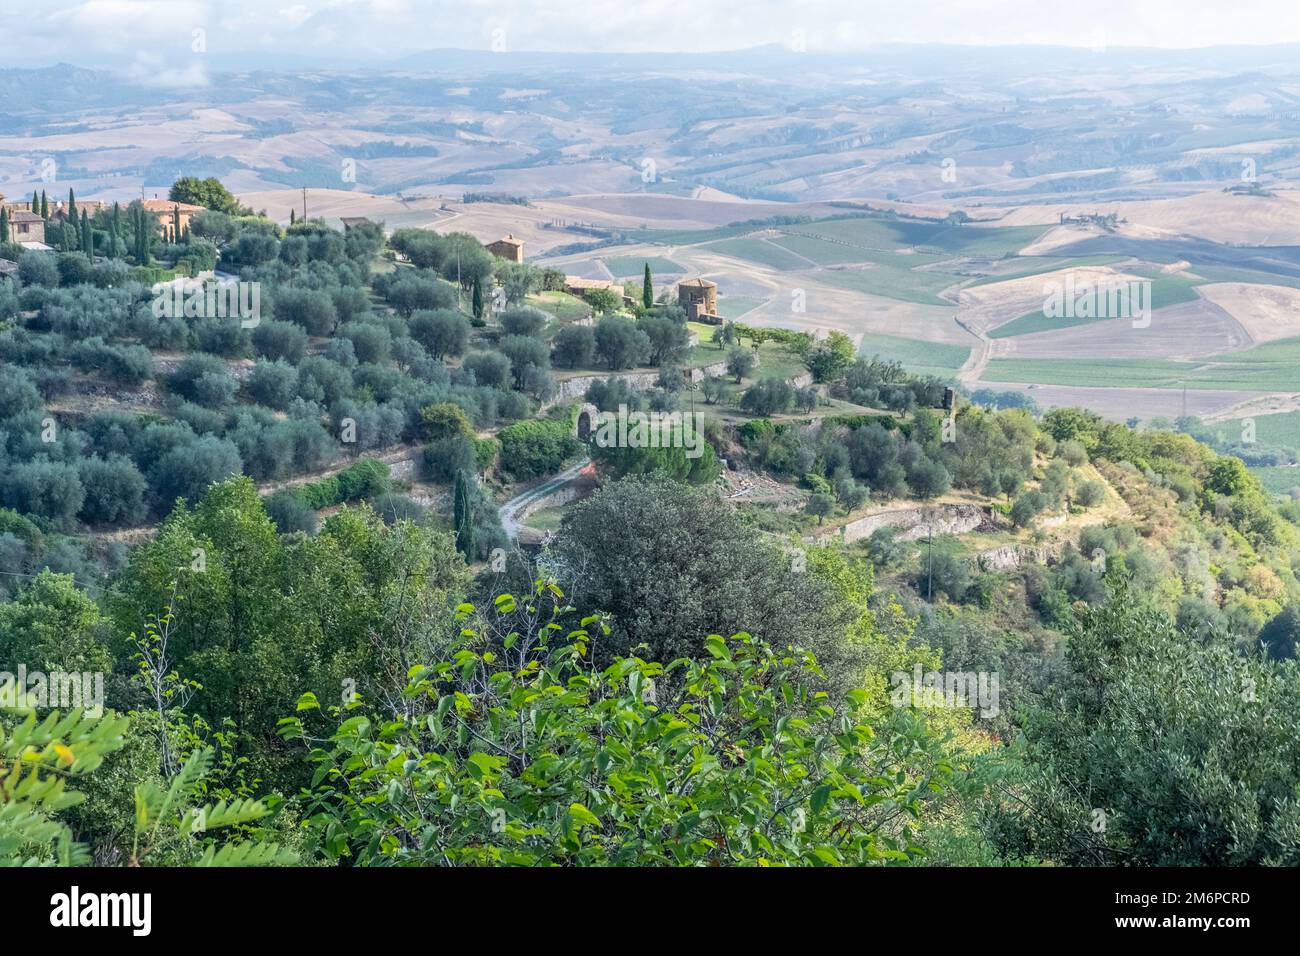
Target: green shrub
365,479
533,448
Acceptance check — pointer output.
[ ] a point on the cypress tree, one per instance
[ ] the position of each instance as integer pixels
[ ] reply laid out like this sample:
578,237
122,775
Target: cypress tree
293,215
87,235
4,224
647,289
477,302
115,228
176,223
142,236
36,203
463,517
72,203
45,205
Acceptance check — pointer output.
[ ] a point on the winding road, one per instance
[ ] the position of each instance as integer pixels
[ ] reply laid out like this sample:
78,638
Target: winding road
510,512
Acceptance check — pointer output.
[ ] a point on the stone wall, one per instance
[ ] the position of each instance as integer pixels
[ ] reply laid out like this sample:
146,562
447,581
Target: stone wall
574,389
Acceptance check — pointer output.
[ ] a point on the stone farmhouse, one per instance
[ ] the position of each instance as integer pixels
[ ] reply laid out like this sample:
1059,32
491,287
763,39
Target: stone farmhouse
168,212
508,248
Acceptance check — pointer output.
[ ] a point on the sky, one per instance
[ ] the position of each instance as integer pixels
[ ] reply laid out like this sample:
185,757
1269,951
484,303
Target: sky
179,41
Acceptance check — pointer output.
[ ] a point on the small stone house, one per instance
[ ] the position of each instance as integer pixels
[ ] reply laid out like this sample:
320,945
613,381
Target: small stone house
508,248
25,227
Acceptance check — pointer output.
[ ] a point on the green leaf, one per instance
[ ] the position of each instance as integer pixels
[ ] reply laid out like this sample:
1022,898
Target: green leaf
582,816
716,646
820,797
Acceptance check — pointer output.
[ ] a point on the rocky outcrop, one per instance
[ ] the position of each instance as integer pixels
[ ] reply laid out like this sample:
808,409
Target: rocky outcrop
914,523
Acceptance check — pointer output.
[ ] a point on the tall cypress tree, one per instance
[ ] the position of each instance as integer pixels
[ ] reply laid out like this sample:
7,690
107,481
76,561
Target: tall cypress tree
72,203
45,205
647,289
114,229
4,224
176,223
142,236
36,203
463,515
477,302
87,235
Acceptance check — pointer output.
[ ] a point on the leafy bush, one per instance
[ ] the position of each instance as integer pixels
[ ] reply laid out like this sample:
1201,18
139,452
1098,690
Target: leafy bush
538,447
574,346
114,491
290,513
365,479
816,784
1090,494
524,320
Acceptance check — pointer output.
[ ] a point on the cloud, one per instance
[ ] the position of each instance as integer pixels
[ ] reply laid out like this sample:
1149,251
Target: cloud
344,30
149,69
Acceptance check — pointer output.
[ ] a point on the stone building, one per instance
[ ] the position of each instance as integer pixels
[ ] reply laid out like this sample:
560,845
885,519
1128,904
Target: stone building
508,248
699,297
168,211
24,228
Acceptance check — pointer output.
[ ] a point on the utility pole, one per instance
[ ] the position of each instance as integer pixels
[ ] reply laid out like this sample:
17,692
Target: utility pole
304,203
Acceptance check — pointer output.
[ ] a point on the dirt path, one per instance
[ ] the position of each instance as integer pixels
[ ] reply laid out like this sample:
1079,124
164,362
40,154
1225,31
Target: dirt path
510,512
1263,405
973,368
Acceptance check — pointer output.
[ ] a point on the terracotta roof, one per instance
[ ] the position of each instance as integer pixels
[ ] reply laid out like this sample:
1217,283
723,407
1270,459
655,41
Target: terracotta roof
509,240
22,215
701,283
167,205
92,209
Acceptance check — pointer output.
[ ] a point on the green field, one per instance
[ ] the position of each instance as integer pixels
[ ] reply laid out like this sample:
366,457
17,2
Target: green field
734,306
563,306
759,251
936,358
822,251
686,237
1266,368
1026,266
869,232
1032,322
1281,352
1278,430
1166,290
893,282
1169,288
883,277
1253,276
1104,373
626,267
968,240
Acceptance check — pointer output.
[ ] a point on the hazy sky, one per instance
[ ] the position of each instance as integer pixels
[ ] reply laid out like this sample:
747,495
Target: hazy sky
114,32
